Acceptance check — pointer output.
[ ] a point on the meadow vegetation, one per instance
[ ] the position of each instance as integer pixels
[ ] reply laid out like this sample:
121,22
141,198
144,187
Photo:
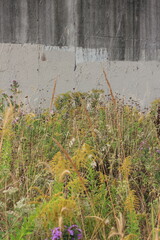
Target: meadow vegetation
93,160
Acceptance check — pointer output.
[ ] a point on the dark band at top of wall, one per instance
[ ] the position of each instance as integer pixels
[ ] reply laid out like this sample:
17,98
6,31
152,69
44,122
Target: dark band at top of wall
128,29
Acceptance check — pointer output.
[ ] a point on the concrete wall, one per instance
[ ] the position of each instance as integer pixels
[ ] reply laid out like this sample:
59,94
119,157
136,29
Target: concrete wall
128,29
74,39
36,66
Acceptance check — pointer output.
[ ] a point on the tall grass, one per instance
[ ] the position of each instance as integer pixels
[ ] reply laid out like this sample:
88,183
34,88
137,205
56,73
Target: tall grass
94,161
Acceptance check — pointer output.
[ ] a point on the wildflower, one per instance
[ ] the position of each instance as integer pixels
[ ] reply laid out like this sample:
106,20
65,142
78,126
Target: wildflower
56,233
158,151
51,112
143,145
11,190
75,231
93,164
72,142
71,233
20,204
15,121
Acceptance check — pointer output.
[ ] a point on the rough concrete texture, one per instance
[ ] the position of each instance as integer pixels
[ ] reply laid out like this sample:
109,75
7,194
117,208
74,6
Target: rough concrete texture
127,29
72,40
36,66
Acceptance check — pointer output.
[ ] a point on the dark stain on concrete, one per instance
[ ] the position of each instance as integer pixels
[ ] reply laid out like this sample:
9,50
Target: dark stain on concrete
60,21
33,21
80,25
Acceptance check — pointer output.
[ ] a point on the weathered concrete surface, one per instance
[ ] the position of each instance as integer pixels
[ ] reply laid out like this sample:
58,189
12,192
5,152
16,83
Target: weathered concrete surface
72,40
127,29
35,67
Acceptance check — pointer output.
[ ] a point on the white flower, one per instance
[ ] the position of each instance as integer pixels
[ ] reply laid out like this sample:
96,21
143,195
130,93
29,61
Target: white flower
11,190
90,156
88,106
20,204
93,164
72,142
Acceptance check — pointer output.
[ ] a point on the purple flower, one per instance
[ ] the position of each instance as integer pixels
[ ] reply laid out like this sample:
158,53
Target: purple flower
158,151
51,112
75,230
80,236
15,121
56,233
71,232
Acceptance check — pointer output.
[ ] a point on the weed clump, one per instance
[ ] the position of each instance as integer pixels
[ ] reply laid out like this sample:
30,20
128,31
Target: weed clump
93,161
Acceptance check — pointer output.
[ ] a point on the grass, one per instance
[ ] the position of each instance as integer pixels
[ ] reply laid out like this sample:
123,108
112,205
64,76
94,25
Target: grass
91,160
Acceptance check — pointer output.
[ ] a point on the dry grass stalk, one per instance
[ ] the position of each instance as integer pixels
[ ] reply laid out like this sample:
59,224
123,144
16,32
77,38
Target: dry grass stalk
63,174
60,222
53,94
8,116
117,115
101,223
120,228
110,89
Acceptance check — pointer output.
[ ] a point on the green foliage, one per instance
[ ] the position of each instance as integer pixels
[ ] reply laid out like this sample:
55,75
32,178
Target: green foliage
102,174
